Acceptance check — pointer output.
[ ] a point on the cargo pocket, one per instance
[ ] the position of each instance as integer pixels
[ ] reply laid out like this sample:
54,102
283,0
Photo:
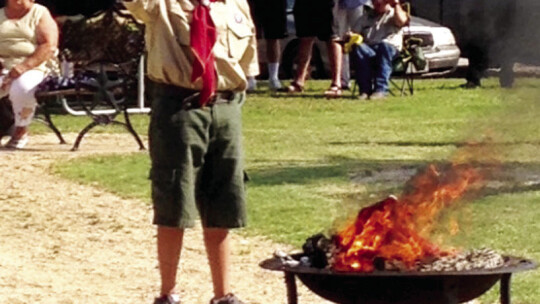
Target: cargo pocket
164,185
164,196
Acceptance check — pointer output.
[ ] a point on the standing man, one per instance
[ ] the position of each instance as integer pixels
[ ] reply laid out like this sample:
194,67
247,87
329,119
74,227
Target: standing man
315,19
271,21
199,54
383,39
346,14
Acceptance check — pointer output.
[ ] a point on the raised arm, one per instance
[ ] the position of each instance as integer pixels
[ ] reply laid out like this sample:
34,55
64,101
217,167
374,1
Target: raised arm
47,44
143,10
401,17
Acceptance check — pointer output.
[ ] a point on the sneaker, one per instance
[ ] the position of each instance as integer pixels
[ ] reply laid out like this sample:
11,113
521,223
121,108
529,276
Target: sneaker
378,96
17,143
168,299
274,84
363,96
228,299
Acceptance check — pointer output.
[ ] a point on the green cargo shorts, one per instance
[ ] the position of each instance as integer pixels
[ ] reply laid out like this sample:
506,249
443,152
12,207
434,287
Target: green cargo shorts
197,161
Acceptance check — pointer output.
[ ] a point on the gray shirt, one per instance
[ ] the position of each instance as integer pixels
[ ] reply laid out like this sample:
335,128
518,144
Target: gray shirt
377,28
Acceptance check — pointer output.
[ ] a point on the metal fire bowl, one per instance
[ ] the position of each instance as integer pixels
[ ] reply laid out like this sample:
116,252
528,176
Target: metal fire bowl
403,287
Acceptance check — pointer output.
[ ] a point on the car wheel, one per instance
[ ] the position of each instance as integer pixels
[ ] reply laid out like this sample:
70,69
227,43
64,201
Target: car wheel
289,63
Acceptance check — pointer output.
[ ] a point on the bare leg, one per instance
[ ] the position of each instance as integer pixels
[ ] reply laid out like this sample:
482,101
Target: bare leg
18,138
335,54
169,246
19,132
216,241
304,57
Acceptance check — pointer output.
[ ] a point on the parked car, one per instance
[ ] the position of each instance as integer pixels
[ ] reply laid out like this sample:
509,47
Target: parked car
438,43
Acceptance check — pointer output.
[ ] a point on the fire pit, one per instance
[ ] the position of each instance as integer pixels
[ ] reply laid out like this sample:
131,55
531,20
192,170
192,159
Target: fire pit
385,254
378,287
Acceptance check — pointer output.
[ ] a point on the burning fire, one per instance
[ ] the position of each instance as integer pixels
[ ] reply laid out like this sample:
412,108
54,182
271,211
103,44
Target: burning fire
398,230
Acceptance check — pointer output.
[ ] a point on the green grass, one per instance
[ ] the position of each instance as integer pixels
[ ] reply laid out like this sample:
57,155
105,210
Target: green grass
302,153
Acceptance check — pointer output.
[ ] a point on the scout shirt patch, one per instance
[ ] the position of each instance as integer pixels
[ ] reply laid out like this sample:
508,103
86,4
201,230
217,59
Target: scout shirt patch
238,17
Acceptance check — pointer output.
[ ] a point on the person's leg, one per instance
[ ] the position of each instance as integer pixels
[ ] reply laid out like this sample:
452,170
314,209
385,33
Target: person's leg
274,22
21,95
216,241
251,84
303,59
177,144
361,58
169,247
306,19
478,63
341,27
273,53
335,54
349,18
345,72
383,66
221,193
255,9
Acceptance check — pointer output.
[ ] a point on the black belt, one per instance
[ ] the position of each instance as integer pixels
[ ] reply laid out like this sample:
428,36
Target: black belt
190,98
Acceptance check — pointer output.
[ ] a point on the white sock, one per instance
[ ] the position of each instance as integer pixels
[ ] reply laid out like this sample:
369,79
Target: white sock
273,69
252,83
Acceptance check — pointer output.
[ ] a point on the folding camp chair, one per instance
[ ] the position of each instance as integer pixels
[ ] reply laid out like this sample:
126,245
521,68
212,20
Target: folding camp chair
410,63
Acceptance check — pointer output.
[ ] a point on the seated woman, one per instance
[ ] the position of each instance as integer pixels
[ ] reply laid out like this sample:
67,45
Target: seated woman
28,43
372,60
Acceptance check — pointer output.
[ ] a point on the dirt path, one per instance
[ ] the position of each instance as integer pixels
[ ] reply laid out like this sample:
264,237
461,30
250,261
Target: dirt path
66,243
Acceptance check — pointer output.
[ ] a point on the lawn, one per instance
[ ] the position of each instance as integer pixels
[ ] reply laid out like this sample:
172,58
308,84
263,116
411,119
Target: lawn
309,160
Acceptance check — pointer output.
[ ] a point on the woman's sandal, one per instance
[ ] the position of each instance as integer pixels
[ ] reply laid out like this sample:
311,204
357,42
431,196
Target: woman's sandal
294,87
333,92
16,144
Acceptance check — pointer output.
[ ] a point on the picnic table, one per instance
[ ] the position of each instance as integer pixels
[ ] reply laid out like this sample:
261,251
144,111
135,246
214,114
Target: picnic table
101,58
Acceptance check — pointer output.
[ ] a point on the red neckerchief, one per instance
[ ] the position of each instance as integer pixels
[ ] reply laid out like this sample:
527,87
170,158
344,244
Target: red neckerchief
203,37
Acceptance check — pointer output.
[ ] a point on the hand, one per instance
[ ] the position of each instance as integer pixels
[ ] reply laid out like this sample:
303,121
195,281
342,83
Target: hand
17,71
5,83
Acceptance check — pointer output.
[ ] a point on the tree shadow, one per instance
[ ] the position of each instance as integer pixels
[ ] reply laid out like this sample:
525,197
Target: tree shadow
434,144
389,176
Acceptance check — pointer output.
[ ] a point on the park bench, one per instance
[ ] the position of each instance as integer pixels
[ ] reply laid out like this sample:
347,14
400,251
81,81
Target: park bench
101,58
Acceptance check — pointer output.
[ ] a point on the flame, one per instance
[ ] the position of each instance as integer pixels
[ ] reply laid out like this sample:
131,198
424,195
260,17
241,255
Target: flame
398,230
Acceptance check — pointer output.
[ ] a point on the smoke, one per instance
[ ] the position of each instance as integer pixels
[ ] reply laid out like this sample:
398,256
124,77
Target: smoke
504,31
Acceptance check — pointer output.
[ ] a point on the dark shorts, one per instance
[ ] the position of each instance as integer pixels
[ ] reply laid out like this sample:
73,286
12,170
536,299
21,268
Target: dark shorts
314,18
197,161
270,17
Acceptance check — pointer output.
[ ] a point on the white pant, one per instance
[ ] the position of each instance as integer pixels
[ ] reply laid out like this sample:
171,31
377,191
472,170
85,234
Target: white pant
21,93
346,20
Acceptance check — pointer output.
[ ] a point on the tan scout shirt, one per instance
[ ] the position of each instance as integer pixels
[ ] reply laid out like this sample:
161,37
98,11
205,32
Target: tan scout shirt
168,41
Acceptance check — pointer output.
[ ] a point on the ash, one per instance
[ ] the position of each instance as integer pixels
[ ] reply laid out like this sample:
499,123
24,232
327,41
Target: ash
470,260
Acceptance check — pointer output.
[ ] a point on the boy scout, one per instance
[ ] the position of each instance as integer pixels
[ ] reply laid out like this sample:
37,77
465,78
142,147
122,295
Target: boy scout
199,55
